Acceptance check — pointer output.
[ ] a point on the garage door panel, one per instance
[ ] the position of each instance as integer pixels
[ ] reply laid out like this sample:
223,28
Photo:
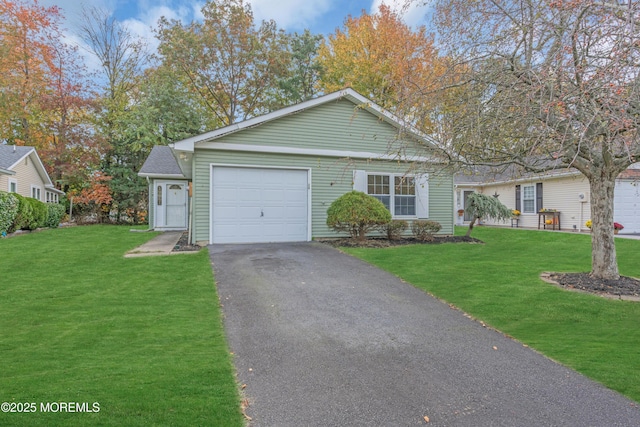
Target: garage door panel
627,206
295,213
259,205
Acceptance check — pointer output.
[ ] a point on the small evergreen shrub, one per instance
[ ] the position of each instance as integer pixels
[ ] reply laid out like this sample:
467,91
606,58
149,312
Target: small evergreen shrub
395,228
24,216
357,213
55,214
425,229
31,214
40,214
8,211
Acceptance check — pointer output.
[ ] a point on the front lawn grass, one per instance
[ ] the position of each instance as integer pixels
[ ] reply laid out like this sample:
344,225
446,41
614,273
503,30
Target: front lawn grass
498,282
142,337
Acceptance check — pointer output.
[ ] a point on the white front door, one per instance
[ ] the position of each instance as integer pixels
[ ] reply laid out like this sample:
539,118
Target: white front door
251,205
171,205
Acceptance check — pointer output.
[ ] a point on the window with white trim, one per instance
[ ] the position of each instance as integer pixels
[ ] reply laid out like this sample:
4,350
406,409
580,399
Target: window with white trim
35,192
13,185
399,198
406,196
528,199
51,197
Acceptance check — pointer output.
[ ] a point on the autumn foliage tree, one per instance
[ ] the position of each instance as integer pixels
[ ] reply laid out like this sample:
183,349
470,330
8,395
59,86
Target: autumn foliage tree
95,198
43,98
549,84
381,57
26,68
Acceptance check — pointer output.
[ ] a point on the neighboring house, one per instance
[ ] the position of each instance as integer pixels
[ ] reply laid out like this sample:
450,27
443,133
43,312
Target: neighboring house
22,172
272,178
566,191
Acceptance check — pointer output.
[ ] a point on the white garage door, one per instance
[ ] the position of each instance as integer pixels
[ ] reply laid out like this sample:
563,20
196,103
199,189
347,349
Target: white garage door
251,205
627,205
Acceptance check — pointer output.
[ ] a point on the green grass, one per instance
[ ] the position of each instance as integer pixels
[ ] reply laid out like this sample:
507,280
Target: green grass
142,337
498,283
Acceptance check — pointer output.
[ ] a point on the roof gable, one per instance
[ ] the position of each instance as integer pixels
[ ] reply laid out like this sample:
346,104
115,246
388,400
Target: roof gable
358,101
12,155
161,163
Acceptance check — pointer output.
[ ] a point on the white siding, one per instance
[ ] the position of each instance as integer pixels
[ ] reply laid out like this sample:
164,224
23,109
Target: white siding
26,176
558,193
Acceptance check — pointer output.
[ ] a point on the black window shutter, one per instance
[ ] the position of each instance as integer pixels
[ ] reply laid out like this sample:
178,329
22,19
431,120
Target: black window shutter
518,198
539,204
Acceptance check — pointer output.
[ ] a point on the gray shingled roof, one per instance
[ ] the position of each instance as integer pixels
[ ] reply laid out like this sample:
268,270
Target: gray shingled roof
482,175
161,161
10,154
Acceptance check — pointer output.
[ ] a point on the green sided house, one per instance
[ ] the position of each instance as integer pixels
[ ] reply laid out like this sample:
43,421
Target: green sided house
272,178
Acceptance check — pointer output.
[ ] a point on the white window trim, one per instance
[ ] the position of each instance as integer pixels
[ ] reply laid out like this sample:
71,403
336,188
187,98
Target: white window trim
12,181
522,199
38,191
421,181
51,197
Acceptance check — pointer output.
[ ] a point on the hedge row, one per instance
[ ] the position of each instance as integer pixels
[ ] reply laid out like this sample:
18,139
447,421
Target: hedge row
24,213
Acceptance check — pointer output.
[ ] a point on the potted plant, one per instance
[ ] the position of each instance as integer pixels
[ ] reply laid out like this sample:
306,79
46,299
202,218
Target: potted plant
588,224
460,212
617,227
515,213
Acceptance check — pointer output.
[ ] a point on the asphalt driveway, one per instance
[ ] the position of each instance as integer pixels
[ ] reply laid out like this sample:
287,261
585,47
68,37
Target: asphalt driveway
323,339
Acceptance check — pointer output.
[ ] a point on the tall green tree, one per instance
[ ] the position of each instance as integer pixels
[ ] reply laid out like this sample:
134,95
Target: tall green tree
301,81
228,61
163,110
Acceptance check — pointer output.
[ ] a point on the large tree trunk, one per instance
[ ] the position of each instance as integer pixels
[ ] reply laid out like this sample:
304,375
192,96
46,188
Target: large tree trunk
604,264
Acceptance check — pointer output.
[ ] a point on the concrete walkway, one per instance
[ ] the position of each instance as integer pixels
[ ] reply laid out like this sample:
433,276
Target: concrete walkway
324,339
162,244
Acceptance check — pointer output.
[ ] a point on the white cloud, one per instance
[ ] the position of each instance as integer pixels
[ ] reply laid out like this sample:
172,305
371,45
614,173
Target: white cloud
290,14
144,25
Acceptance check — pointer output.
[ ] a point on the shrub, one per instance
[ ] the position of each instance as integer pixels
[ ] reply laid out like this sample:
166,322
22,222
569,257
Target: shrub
8,210
425,229
24,216
357,213
31,214
395,228
56,212
40,214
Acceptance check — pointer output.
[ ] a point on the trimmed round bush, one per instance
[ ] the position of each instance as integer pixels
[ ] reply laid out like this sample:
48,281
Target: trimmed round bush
357,213
425,229
55,213
8,210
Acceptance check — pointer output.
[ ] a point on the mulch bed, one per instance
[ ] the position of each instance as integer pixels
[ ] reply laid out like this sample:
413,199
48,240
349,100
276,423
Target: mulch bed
380,242
183,244
623,288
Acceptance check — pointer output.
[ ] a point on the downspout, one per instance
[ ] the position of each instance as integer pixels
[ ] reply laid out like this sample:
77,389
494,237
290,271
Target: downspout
190,192
150,201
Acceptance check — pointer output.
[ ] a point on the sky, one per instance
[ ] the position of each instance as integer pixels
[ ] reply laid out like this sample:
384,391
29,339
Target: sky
319,16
